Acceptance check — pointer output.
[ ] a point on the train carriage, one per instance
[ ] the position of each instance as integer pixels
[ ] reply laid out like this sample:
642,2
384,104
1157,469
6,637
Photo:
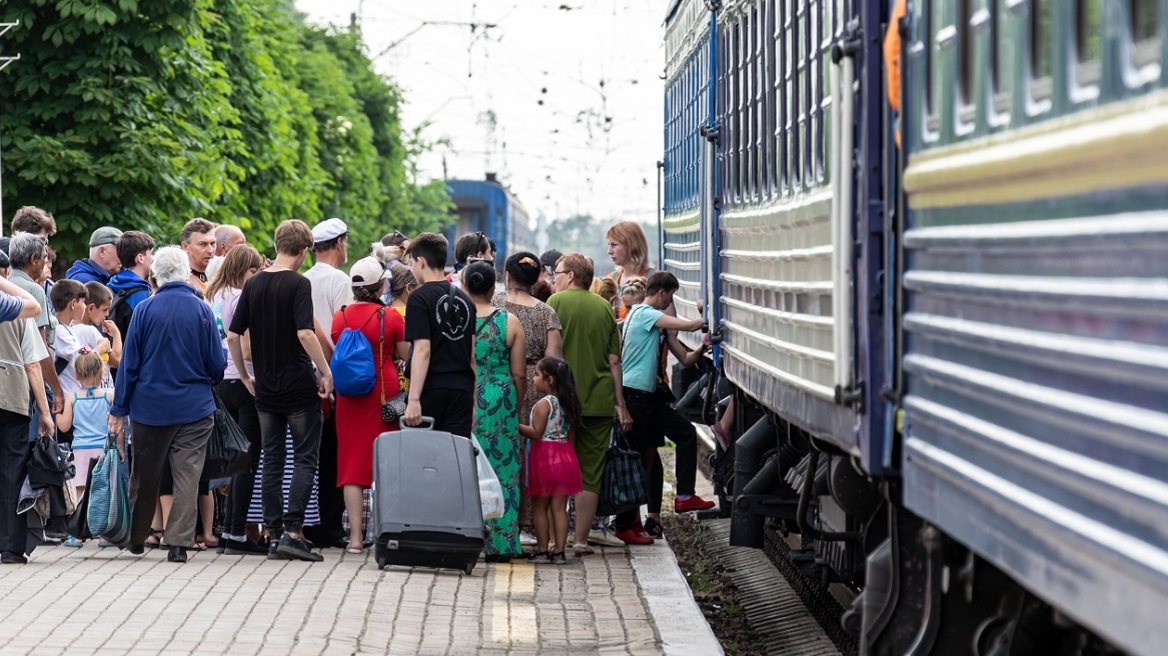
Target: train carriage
945,330
489,207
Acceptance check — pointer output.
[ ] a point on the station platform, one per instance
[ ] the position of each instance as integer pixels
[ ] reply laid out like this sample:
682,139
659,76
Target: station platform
102,601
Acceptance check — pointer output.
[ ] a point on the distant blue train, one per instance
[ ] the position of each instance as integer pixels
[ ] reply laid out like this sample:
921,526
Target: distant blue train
939,298
488,206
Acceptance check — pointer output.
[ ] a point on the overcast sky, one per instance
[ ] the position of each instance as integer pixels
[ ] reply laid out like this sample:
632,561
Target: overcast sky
593,143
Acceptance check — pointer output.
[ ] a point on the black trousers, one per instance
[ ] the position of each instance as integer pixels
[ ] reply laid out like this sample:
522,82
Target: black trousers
14,454
452,410
654,418
240,405
329,496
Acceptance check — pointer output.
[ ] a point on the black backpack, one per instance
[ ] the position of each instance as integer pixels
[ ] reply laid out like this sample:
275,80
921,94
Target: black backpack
120,310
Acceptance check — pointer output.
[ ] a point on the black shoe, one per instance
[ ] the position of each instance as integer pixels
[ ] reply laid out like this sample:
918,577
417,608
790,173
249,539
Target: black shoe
136,549
496,558
653,528
244,548
12,558
272,553
295,549
177,555
536,556
557,558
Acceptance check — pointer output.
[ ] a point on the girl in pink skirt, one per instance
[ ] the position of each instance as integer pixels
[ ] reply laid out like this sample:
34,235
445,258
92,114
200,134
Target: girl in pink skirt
553,473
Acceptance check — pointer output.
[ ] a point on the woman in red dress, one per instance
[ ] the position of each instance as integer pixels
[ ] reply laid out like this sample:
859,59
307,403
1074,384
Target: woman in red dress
359,419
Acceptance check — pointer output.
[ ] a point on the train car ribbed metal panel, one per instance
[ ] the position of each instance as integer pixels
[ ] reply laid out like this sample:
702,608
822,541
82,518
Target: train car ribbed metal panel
777,312
1037,406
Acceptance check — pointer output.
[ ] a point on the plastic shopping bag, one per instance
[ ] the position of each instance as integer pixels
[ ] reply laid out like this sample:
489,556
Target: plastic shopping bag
490,491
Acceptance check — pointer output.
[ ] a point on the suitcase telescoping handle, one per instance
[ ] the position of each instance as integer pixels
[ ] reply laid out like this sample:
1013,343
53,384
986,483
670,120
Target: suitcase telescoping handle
427,422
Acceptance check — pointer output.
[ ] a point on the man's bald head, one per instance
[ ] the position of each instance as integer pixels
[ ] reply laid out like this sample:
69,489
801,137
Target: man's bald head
227,237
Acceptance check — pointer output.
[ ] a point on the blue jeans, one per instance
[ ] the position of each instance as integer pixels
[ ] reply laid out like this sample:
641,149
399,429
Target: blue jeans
305,428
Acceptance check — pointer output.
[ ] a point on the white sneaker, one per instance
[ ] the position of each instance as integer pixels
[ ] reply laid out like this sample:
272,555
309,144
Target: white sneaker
604,538
527,540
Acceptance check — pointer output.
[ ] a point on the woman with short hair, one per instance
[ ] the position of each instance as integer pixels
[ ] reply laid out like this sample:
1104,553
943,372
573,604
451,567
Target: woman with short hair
171,360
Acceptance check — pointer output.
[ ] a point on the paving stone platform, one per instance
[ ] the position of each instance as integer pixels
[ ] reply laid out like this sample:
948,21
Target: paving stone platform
101,601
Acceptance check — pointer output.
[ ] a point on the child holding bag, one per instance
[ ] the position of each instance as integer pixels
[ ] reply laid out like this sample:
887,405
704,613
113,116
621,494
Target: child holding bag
86,412
553,472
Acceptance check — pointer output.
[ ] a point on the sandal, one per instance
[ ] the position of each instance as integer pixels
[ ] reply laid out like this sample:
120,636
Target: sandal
582,550
537,555
104,543
157,537
354,550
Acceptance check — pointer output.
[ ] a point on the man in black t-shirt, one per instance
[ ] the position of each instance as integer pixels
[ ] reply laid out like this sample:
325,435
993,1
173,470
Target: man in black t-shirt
440,321
276,307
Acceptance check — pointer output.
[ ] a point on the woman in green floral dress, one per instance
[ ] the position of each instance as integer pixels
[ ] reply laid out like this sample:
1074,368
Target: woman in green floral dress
500,355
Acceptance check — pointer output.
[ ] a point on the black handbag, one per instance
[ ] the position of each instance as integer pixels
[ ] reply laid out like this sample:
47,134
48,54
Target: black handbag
394,409
227,449
622,485
51,463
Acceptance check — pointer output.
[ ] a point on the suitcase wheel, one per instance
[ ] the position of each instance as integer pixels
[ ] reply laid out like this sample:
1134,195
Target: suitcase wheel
468,569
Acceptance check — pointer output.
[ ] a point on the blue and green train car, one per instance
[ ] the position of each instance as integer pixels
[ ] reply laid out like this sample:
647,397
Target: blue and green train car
939,298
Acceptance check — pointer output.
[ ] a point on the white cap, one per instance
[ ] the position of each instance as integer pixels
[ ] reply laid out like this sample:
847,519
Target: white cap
367,271
328,230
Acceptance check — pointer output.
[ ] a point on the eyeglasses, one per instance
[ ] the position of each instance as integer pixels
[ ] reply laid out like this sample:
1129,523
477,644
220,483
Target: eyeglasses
559,272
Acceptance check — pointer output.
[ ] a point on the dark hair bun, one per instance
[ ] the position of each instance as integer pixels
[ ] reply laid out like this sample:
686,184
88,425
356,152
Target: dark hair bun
479,278
524,268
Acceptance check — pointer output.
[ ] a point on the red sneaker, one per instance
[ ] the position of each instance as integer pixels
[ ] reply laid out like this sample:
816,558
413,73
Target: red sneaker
629,536
693,503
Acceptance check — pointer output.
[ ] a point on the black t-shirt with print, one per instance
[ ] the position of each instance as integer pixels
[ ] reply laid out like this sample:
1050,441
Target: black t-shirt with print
445,315
274,306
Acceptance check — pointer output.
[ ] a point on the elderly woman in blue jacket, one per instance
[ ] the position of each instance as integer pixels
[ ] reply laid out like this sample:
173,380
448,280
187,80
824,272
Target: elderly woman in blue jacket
171,359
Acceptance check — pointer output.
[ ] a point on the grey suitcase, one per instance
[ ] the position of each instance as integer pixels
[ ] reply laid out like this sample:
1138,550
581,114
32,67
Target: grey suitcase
426,508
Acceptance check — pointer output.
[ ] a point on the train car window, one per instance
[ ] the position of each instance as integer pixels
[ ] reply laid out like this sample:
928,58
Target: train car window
723,114
807,57
770,170
739,132
928,12
781,92
1145,34
751,29
1088,41
762,124
1002,57
820,15
1041,57
965,51
791,40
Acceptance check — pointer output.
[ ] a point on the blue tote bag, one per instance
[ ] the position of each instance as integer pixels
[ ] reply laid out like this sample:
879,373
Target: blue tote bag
109,496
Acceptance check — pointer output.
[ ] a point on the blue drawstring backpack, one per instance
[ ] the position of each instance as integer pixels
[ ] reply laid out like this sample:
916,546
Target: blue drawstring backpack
353,366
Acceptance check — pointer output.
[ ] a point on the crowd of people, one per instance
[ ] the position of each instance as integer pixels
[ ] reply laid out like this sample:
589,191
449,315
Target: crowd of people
141,344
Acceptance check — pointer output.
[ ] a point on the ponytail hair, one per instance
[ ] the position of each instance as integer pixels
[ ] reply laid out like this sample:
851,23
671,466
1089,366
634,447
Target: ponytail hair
564,388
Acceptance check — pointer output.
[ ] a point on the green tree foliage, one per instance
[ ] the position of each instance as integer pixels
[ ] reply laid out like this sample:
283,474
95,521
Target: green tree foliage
143,114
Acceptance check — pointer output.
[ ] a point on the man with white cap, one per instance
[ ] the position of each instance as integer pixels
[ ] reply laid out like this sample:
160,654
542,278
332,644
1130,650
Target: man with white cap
103,259
330,285
331,290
